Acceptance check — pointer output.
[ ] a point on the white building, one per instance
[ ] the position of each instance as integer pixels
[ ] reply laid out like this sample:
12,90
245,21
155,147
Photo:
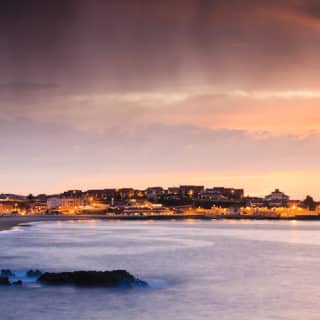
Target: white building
53,203
277,199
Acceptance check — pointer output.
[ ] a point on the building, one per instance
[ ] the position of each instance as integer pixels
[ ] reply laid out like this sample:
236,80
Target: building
101,195
38,207
53,203
173,191
142,207
212,195
139,203
72,194
9,206
125,193
41,197
72,205
172,194
139,194
223,194
223,197
189,191
277,199
256,202
154,193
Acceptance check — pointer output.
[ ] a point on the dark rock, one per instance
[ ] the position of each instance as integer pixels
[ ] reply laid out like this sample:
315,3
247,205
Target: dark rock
114,278
17,283
33,273
4,281
6,273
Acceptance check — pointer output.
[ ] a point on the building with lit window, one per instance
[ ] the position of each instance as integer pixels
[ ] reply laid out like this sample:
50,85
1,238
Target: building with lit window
190,191
277,199
154,193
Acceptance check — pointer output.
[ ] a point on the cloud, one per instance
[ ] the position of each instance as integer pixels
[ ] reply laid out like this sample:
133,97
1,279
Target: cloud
26,86
277,111
182,153
97,88
289,111
154,146
301,13
143,45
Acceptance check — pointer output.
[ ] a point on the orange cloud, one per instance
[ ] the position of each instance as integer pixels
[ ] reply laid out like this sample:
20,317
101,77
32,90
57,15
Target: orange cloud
294,16
287,112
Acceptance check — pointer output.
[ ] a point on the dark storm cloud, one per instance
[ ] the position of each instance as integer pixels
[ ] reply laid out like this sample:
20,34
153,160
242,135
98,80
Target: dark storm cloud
132,45
30,44
309,8
25,87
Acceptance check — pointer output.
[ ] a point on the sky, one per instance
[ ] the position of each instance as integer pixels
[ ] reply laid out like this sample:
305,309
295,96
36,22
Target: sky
98,94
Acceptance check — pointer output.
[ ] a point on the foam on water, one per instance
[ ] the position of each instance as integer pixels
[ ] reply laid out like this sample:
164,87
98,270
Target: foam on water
157,283
22,275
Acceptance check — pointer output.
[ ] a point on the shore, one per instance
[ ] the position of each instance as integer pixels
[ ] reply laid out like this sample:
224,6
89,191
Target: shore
8,222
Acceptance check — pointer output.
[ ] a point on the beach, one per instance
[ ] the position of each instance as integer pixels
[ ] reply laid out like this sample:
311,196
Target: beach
8,222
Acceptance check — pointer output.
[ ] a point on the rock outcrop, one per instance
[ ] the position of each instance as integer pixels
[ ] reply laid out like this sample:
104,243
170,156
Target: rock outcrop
33,273
114,278
4,281
6,273
17,283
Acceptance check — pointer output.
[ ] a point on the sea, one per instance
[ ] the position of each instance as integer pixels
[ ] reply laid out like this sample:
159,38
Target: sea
226,270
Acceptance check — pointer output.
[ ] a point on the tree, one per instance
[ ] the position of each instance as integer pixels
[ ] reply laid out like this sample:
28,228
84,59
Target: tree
309,203
30,197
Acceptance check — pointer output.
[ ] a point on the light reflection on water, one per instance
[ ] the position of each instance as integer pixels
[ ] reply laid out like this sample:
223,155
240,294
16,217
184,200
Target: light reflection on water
197,269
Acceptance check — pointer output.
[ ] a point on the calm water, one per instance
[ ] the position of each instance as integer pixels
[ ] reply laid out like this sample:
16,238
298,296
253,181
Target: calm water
197,270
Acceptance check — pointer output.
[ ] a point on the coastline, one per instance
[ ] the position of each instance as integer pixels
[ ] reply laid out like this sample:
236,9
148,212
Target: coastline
7,222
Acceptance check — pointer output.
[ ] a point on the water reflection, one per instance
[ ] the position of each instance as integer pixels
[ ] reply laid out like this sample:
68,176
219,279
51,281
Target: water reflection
201,269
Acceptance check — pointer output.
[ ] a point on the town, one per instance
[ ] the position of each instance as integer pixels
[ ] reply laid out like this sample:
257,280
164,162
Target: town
185,200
